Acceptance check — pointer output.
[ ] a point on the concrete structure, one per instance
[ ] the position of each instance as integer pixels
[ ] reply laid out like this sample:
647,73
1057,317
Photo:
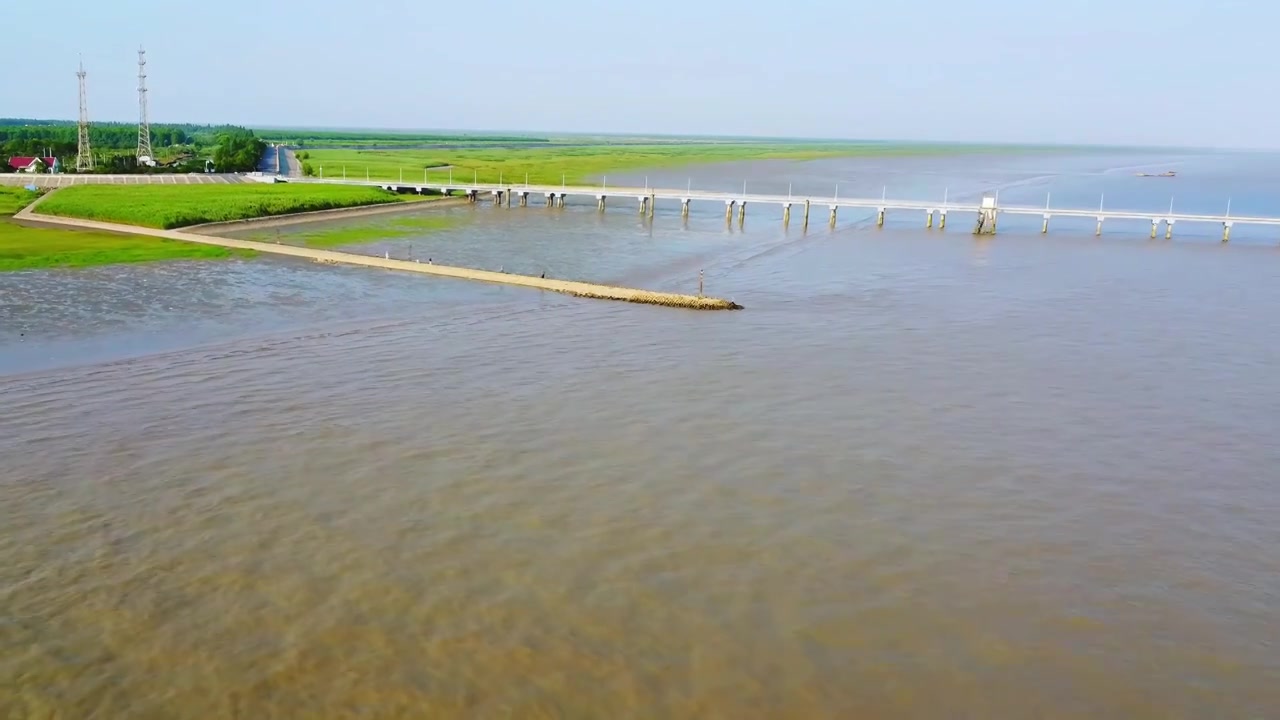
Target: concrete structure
987,211
46,180
567,287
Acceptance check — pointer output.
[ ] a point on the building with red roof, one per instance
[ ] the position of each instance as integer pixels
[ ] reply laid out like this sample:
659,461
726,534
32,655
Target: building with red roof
35,164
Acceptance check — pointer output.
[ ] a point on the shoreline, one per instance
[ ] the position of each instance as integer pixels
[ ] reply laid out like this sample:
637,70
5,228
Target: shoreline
566,287
358,211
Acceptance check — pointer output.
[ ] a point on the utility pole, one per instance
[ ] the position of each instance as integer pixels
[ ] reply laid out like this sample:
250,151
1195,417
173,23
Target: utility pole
145,156
84,154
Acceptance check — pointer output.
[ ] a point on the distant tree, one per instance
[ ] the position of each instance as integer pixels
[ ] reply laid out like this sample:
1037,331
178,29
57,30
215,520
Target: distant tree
307,169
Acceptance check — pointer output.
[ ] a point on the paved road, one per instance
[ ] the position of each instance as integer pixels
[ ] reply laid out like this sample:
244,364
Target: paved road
54,181
289,163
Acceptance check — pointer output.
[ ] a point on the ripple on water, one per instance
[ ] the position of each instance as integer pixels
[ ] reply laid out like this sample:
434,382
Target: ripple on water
1025,477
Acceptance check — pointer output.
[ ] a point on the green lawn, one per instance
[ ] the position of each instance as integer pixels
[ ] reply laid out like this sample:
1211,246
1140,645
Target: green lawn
23,248
585,163
364,232
13,199
174,206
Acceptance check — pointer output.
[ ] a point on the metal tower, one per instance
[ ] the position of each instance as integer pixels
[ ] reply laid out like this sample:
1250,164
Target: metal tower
144,127
84,155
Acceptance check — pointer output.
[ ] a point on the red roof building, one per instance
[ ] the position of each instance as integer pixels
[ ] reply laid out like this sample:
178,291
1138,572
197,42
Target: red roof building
35,164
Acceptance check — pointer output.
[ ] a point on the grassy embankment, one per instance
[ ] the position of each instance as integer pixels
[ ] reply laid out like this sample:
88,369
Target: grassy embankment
584,163
174,206
355,234
23,248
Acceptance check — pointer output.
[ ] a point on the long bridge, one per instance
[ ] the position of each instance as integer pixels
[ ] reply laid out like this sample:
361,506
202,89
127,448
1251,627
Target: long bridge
986,213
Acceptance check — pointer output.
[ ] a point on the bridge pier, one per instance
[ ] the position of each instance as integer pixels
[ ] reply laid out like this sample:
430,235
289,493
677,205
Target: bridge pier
831,221
1155,225
600,203
643,202
942,220
806,213
1098,232
1226,231
561,203
880,218
653,204
742,212
508,196
684,208
1044,227
550,199
728,210
524,198
986,224
472,196
928,222
786,213
497,197
1168,229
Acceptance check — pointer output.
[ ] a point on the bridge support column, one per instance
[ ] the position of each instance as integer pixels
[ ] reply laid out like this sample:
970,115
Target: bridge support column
880,218
524,199
1098,232
942,220
832,220
1226,231
1044,227
653,203
643,202
684,207
497,197
560,200
742,212
508,196
1155,225
986,224
600,203
786,213
806,213
551,199
472,196
728,210
1168,229
928,222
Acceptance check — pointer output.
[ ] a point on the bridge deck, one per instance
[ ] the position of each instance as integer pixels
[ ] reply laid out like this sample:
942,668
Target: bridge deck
592,191
794,200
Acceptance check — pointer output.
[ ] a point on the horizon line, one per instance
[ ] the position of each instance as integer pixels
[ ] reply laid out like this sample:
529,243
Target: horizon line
671,135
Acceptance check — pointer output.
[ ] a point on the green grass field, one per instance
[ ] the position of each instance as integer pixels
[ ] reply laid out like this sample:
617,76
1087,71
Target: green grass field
577,164
174,206
355,234
23,248
13,199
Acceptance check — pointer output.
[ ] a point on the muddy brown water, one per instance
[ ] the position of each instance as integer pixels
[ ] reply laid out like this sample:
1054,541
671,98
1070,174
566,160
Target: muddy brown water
920,476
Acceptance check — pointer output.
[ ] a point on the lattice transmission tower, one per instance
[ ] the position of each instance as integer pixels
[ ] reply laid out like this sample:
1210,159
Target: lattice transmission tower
144,126
84,154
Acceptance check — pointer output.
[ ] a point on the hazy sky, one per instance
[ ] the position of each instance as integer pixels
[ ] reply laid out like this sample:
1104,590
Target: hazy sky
1184,72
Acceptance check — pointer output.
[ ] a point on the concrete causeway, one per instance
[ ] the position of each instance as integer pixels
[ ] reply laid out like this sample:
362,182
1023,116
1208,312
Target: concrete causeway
28,216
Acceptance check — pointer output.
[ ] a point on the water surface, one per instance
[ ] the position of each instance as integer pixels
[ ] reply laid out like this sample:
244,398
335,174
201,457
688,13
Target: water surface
921,475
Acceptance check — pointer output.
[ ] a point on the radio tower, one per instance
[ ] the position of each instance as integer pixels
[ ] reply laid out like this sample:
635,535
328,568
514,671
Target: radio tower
84,156
144,127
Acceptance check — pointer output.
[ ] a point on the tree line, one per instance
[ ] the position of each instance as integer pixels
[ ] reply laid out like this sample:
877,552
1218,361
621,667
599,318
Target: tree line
232,148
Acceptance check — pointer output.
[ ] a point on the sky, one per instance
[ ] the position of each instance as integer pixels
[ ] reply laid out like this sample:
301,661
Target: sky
1124,72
